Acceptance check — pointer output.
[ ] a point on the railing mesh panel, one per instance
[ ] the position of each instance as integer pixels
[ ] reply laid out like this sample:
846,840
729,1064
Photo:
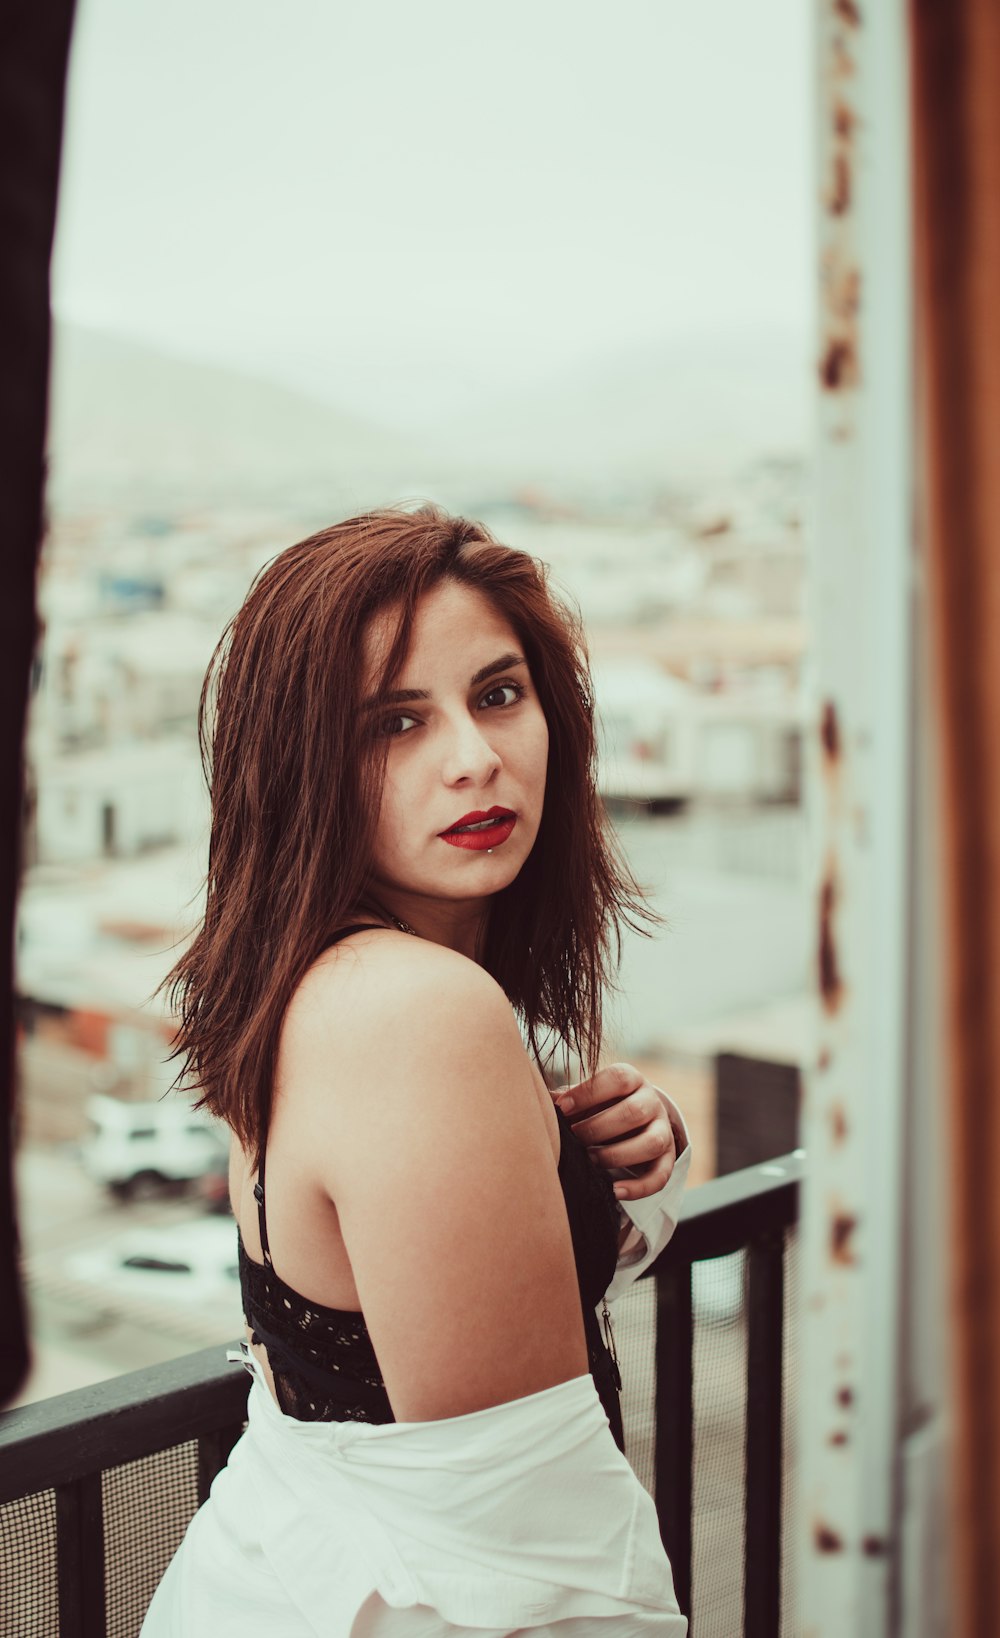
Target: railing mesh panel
634,1321
720,1411
29,1589
789,1492
147,1507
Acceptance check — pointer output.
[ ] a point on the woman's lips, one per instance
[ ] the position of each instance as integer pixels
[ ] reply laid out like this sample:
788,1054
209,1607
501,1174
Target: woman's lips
480,831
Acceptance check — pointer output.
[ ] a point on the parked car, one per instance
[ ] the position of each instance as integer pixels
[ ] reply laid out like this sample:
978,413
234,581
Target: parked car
142,1148
718,1289
191,1264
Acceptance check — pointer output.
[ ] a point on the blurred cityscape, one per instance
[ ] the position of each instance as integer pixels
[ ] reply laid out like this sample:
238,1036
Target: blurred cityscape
172,483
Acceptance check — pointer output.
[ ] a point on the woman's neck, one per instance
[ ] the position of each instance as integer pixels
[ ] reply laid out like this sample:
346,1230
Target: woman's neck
458,925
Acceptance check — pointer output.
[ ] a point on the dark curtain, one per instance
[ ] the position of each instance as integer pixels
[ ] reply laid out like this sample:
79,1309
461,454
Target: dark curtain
34,48
956,137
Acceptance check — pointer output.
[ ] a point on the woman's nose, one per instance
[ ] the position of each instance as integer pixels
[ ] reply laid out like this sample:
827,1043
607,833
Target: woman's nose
469,757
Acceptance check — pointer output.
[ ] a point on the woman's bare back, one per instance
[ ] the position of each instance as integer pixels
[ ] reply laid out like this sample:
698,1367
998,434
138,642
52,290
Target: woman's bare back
306,1241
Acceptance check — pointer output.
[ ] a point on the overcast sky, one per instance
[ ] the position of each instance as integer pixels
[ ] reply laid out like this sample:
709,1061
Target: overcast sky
404,202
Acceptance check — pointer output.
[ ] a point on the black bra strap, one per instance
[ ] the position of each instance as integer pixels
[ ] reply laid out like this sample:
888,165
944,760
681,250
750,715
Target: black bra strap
258,1188
258,1194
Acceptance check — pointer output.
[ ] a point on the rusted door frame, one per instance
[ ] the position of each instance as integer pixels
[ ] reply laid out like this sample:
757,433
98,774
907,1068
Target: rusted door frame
862,1095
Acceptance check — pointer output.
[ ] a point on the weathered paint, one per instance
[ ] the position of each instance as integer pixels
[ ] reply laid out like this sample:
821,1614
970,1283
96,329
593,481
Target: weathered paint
829,732
830,983
857,783
826,1540
843,1225
840,271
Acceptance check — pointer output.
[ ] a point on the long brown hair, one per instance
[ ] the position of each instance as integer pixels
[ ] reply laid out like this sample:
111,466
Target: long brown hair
295,787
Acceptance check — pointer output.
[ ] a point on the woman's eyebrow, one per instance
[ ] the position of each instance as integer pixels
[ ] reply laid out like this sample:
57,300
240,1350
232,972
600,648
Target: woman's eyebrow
404,696
399,696
503,664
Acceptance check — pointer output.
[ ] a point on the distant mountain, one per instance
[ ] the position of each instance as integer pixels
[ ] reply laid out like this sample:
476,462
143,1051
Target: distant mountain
123,413
126,416
669,410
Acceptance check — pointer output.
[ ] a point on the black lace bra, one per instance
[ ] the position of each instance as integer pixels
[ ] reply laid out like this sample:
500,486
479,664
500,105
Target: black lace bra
322,1359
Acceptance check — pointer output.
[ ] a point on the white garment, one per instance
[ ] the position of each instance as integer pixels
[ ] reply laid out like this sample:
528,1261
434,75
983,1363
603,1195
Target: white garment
524,1517
521,1518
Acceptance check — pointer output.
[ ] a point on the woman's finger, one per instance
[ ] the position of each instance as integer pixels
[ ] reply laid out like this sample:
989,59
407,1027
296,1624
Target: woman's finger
613,1082
651,1182
631,1114
654,1143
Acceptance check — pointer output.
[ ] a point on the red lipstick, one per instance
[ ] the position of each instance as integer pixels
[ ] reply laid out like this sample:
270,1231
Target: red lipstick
479,831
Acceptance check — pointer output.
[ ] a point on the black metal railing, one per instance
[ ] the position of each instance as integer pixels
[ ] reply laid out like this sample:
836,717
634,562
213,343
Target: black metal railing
66,1449
97,1486
750,1216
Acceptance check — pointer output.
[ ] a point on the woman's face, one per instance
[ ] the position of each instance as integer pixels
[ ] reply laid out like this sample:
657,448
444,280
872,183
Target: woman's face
467,748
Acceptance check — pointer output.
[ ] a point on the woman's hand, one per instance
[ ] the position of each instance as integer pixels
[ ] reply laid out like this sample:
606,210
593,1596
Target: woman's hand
624,1122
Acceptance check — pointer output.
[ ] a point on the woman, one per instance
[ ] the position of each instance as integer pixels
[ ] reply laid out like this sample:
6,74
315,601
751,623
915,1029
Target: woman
407,846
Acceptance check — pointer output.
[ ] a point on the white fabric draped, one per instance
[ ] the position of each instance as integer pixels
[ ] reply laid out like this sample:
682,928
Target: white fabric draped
524,1517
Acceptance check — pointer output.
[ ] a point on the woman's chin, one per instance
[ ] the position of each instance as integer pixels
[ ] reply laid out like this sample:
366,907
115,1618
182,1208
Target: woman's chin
481,877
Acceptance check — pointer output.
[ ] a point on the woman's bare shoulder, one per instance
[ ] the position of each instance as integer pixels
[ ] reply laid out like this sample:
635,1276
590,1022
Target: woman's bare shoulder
381,972
384,993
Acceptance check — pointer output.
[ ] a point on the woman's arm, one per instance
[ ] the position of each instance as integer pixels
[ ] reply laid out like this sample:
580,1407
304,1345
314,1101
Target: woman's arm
431,1144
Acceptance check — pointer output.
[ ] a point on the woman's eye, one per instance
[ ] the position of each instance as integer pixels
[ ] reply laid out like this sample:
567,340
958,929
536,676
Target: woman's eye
503,694
392,727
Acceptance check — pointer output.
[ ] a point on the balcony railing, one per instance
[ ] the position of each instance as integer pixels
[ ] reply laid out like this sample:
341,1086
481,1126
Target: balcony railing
97,1486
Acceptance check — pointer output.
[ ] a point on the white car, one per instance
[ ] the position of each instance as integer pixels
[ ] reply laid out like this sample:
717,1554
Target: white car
191,1264
718,1289
137,1148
